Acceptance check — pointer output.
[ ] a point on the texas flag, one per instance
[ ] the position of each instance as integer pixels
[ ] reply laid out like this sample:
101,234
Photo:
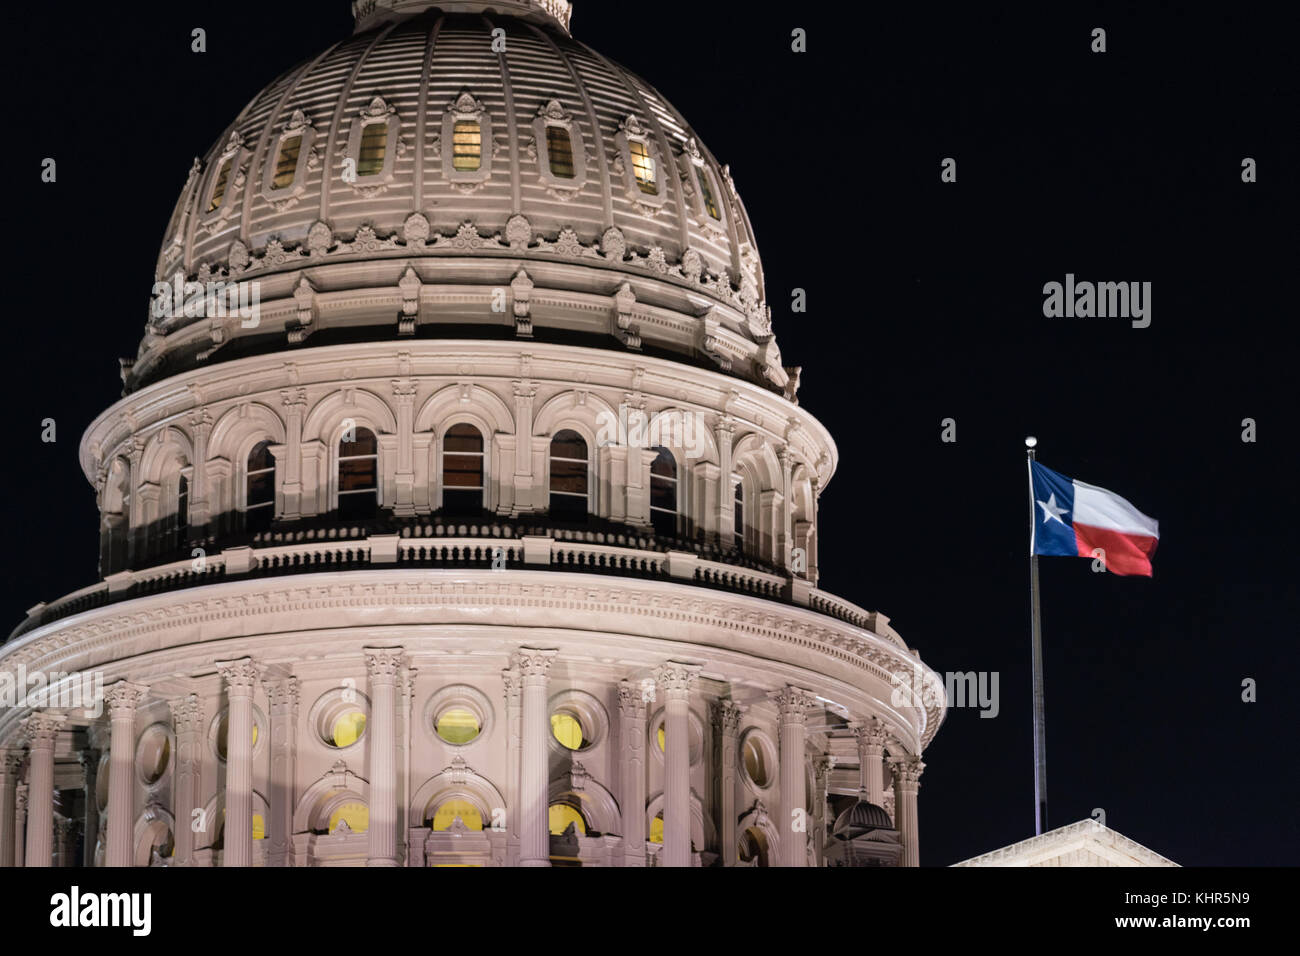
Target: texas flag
1077,519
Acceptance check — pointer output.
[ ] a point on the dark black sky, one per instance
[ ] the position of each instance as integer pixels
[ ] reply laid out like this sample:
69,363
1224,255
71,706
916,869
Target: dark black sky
924,302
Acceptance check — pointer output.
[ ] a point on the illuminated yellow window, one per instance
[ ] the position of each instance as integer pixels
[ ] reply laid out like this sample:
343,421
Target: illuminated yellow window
643,166
568,731
661,736
456,725
374,143
706,193
559,151
447,813
355,815
348,728
219,189
561,815
466,146
657,829
286,165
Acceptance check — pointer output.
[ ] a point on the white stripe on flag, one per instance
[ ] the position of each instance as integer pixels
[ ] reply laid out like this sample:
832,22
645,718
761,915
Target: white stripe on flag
1104,509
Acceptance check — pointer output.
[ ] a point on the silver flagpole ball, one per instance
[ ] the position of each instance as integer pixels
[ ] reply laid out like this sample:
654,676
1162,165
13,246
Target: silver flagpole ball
1031,441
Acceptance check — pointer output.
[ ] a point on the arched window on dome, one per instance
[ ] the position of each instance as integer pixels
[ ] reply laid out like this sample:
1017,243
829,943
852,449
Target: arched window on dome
373,143
358,474
462,470
738,509
466,140
286,158
569,495
643,167
562,158
286,163
663,493
220,184
259,488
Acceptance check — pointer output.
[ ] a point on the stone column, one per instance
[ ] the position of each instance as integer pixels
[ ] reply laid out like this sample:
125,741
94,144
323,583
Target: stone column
187,722
404,476
89,760
65,841
383,664
676,679
632,699
534,666
11,762
200,507
871,756
294,401
241,682
726,730
20,824
526,494
282,697
907,781
822,765
726,503
122,699
793,704
785,544
513,687
42,728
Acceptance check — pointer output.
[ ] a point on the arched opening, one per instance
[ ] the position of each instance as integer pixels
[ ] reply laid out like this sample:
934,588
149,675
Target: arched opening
462,470
358,474
663,493
569,496
752,848
259,497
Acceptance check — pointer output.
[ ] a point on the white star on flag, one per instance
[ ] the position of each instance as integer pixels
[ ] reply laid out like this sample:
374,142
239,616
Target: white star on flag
1051,509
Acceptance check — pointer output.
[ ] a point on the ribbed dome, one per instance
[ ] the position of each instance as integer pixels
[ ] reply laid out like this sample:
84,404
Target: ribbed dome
417,139
862,817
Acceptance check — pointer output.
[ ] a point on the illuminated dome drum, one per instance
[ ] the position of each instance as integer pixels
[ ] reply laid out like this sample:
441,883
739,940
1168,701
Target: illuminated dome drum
458,508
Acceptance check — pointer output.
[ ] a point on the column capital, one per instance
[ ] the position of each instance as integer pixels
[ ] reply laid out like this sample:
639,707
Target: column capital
726,716
633,697
41,728
11,761
794,703
187,714
871,734
384,663
907,772
822,765
513,685
123,698
281,692
241,676
677,677
533,662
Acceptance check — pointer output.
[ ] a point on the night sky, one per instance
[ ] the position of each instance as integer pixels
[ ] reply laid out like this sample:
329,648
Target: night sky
924,302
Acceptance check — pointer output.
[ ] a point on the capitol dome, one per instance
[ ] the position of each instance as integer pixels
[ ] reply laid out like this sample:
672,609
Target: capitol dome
458,509
476,144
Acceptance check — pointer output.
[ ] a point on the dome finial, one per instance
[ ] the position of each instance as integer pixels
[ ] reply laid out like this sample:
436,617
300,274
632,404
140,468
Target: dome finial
371,13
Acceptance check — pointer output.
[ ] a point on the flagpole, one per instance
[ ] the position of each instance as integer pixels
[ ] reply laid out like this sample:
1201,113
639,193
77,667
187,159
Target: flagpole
1036,641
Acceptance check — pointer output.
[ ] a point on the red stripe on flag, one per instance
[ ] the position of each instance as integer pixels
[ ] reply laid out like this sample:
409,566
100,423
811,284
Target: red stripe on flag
1125,553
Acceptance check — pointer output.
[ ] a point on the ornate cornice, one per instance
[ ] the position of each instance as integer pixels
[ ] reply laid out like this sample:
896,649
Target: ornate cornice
102,636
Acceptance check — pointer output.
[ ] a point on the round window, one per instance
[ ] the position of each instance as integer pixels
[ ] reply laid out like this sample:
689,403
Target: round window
339,717
153,753
567,729
757,758
457,725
